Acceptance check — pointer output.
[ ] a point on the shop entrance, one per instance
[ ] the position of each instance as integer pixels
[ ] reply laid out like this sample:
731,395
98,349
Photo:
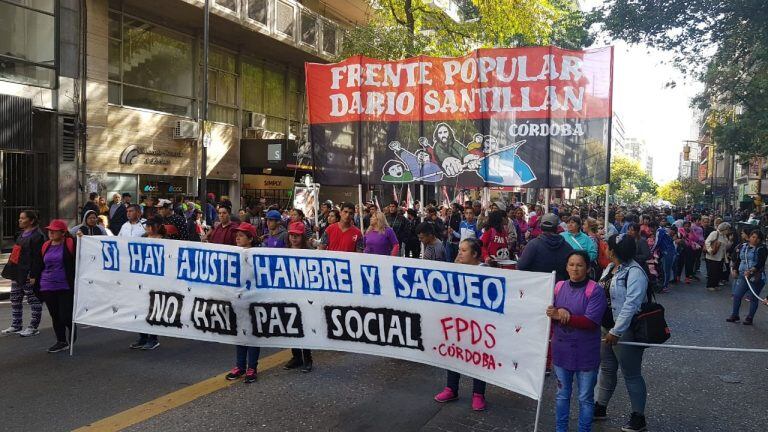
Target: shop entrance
21,190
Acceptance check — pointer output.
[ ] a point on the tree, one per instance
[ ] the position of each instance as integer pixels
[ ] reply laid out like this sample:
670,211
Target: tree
406,28
629,184
682,192
735,75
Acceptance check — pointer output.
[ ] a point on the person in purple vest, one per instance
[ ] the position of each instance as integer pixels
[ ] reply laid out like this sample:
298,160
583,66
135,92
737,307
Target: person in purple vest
577,312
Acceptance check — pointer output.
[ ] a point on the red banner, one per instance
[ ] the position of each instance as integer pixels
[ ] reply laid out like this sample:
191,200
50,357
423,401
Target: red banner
522,83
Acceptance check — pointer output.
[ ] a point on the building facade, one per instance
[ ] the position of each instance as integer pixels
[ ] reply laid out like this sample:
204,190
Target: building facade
40,98
144,93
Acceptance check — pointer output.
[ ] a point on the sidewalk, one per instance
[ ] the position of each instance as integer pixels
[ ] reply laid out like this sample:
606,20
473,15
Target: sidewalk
5,284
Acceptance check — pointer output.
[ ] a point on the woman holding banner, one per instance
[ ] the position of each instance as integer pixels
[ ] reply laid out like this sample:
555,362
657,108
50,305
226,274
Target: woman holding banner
577,311
247,357
470,252
302,358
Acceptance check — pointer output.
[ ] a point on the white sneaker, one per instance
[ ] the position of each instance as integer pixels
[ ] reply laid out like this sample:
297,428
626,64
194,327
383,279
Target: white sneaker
29,331
11,330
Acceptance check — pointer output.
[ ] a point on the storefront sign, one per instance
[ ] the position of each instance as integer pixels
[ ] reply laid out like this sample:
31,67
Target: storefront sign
133,153
267,182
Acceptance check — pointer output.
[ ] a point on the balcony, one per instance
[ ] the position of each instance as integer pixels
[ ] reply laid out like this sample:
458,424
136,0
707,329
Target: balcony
285,20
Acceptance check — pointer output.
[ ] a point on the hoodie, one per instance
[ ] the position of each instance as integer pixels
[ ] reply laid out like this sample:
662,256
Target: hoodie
86,230
279,240
546,253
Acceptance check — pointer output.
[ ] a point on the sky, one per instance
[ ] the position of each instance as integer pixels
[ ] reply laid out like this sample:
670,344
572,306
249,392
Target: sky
649,111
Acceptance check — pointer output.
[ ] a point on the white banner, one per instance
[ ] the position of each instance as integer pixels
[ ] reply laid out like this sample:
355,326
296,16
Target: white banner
483,322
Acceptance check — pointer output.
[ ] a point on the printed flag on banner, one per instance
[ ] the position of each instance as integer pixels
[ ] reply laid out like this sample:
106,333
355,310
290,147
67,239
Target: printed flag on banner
534,117
484,322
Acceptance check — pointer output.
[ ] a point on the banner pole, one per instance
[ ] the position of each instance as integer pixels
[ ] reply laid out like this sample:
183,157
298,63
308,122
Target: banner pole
79,247
546,200
360,204
538,412
607,204
421,202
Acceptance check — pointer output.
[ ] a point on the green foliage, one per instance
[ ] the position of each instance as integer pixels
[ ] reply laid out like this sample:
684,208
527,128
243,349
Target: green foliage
407,28
682,192
722,43
629,181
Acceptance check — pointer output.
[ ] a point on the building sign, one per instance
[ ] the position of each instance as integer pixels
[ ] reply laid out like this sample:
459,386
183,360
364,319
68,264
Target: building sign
267,182
133,153
163,186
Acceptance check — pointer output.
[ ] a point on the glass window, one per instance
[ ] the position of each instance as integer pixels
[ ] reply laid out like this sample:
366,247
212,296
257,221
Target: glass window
285,22
329,38
114,60
114,93
257,10
253,94
274,93
222,114
42,5
308,28
114,26
156,59
27,35
229,4
143,98
222,87
26,73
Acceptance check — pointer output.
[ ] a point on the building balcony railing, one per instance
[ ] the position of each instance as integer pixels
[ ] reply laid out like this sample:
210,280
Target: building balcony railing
284,20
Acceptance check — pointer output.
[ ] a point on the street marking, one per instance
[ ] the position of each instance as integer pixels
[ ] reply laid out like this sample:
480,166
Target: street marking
177,398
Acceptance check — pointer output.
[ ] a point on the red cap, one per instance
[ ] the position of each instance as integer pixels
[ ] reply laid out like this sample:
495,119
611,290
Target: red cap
57,225
170,229
247,228
296,228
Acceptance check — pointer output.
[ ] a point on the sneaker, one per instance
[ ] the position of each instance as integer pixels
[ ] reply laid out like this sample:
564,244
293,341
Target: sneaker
11,330
747,321
636,423
711,289
250,376
137,345
150,345
235,373
601,412
307,366
687,281
478,402
447,395
721,283
29,331
732,319
293,363
58,346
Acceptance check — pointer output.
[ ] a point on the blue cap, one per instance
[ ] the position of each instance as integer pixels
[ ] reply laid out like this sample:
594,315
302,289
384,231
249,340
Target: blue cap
274,214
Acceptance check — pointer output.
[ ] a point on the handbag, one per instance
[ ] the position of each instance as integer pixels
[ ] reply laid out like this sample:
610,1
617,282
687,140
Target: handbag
649,324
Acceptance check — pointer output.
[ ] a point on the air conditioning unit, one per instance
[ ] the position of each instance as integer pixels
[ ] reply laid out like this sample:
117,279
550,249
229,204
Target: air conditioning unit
185,129
256,121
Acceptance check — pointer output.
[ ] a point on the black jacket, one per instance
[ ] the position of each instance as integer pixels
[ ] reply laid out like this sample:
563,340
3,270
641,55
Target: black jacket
69,264
90,205
119,218
546,253
29,257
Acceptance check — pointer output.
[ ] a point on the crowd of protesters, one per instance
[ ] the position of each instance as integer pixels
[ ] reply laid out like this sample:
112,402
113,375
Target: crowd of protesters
604,269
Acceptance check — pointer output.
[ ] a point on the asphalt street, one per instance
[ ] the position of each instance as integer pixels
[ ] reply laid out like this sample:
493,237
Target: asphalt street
688,390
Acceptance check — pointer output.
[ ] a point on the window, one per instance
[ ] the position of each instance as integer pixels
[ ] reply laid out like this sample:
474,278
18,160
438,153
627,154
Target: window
228,4
258,11
264,93
308,29
329,38
28,42
222,85
285,21
149,67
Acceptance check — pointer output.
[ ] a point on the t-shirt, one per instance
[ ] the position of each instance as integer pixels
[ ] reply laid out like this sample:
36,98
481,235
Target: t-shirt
434,251
350,240
495,244
53,277
224,235
379,243
468,230
578,349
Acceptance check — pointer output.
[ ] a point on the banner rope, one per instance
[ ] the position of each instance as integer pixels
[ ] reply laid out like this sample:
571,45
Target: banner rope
696,348
762,300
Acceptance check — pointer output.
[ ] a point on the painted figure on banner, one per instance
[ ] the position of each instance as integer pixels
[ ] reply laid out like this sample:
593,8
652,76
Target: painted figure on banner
446,157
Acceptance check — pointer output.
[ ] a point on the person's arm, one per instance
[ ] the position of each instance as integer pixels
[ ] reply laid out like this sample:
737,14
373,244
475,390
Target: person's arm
637,284
324,241
762,253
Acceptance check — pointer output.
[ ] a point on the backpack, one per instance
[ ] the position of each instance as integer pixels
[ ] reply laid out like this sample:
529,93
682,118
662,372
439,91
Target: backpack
591,285
69,241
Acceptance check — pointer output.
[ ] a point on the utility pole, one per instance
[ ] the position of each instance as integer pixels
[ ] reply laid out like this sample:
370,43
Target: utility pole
203,190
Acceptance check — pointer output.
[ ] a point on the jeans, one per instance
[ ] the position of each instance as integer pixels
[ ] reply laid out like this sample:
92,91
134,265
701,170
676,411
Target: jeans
630,360
144,338
668,267
247,354
585,381
740,289
453,383
304,355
